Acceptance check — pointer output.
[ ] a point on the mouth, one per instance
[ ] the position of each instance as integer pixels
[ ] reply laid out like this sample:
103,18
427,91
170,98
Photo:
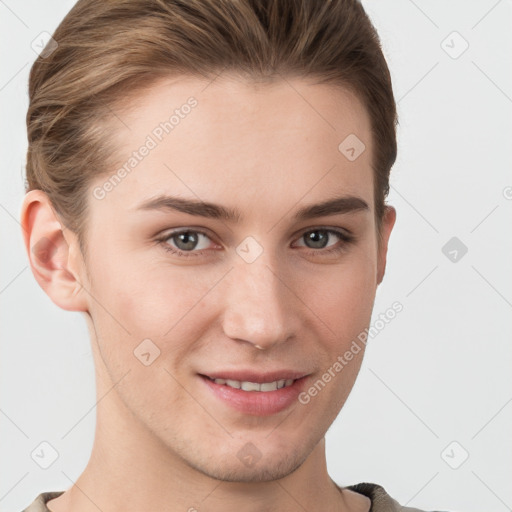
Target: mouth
246,385
255,394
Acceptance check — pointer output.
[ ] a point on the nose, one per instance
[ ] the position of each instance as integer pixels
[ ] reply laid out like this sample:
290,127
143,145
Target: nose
260,306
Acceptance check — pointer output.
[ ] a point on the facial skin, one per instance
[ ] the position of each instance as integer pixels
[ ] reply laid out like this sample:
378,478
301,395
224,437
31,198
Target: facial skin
163,439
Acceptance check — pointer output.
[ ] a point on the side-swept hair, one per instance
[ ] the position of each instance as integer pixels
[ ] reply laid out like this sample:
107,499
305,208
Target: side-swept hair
110,49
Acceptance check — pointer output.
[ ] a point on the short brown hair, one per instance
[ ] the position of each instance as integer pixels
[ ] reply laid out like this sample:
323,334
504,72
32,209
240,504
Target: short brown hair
110,49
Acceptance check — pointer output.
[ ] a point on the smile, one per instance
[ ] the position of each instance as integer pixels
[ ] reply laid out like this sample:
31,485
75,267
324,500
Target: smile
270,395
254,386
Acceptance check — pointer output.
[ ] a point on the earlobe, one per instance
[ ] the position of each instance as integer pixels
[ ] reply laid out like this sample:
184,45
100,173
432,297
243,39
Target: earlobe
49,252
388,222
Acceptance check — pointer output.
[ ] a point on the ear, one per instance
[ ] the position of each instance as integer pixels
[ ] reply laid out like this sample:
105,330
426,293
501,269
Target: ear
55,258
388,221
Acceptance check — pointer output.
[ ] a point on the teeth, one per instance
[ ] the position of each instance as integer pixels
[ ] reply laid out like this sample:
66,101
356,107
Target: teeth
232,383
268,386
250,386
255,386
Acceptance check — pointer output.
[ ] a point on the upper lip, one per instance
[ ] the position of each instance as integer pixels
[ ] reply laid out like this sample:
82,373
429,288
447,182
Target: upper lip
253,376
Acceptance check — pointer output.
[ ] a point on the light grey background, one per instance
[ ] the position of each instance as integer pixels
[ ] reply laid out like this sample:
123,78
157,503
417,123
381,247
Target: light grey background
439,372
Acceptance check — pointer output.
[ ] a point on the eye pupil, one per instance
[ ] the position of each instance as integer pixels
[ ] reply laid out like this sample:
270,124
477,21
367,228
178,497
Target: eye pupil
185,238
313,237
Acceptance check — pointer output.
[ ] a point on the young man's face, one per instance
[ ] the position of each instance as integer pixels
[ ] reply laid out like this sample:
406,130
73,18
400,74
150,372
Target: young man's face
268,297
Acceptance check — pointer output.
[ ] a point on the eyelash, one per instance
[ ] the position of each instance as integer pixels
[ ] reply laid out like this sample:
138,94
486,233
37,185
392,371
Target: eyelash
345,238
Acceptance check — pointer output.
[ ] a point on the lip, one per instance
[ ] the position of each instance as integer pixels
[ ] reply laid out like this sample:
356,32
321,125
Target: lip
252,376
256,403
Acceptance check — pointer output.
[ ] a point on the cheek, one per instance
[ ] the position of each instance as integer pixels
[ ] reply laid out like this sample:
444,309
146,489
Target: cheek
343,297
165,305
347,303
147,297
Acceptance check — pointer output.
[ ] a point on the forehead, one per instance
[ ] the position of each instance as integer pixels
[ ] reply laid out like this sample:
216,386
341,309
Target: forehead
208,139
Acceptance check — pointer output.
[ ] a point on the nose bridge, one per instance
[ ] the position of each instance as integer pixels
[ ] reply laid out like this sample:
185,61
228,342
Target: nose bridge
259,307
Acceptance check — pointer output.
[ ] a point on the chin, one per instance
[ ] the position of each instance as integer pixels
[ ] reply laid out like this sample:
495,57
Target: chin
258,467
260,472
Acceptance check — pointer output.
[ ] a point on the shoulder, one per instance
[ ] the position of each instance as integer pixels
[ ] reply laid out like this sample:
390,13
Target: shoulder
39,504
381,500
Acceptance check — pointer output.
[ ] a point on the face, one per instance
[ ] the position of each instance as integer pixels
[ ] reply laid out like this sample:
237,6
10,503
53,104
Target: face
260,290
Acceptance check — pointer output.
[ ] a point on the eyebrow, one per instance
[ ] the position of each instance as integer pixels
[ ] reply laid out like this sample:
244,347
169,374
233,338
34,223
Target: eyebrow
335,206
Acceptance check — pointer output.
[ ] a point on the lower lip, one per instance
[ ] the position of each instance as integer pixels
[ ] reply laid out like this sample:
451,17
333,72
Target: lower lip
257,403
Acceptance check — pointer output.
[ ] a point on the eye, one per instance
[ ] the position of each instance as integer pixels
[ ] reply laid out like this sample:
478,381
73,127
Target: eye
187,242
318,239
